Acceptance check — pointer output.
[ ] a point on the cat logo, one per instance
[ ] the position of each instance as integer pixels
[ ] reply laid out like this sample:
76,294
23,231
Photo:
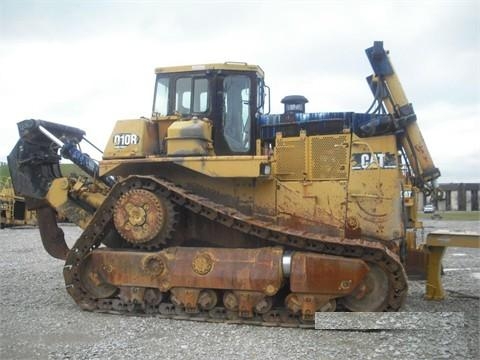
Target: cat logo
362,161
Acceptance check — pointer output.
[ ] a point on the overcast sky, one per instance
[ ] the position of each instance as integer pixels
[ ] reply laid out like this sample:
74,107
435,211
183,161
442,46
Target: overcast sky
90,63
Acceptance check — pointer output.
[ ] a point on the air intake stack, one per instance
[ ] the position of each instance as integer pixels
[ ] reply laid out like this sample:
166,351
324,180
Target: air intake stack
294,104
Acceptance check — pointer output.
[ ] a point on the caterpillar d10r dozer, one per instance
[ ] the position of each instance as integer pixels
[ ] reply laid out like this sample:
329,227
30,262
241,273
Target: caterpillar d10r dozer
213,210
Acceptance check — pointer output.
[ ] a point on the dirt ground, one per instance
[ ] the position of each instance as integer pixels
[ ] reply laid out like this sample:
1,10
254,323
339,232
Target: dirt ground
40,321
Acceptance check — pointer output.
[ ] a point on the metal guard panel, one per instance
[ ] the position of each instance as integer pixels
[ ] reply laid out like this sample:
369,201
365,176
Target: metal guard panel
235,66
446,238
314,158
291,158
213,166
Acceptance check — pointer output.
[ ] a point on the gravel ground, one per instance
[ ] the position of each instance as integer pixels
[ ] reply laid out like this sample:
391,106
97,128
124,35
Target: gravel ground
40,321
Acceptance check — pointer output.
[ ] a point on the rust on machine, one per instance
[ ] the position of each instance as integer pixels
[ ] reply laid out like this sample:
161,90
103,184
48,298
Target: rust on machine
139,216
209,268
326,274
214,209
250,279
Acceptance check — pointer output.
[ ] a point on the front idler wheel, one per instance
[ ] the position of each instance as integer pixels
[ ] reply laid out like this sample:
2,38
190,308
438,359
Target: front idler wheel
372,294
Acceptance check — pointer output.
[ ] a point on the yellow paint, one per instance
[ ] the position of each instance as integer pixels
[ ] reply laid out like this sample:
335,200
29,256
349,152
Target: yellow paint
453,239
415,147
213,166
312,205
374,193
435,247
189,138
322,157
58,198
134,138
10,205
204,67
312,184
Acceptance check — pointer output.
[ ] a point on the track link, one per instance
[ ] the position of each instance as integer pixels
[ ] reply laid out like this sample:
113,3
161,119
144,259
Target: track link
101,224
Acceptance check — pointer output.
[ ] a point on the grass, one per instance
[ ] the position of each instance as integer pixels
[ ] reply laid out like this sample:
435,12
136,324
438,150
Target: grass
4,170
454,215
66,169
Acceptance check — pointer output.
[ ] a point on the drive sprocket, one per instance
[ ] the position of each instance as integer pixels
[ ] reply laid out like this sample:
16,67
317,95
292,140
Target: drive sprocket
144,219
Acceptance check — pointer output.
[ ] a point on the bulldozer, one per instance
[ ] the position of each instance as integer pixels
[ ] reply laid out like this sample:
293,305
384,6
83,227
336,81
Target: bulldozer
213,209
13,211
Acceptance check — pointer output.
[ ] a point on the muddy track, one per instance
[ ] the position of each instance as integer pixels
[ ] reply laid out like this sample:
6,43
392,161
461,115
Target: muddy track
101,224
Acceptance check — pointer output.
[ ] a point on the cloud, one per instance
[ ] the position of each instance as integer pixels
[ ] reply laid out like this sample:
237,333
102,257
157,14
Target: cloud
451,134
88,64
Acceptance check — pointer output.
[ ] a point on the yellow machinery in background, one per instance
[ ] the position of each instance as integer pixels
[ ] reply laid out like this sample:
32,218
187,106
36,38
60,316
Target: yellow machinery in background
13,211
215,210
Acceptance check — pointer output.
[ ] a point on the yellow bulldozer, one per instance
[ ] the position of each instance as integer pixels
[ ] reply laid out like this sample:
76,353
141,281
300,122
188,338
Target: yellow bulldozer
13,211
213,209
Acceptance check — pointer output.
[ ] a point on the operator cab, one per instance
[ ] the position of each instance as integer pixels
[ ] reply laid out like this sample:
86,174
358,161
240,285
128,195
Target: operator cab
230,95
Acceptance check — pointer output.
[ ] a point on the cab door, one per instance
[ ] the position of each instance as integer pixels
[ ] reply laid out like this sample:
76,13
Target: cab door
235,120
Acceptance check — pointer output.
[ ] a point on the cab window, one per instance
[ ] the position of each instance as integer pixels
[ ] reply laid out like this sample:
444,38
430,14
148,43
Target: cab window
161,96
191,95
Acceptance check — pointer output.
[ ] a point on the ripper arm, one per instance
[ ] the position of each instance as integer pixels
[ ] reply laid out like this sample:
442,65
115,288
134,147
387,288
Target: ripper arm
388,91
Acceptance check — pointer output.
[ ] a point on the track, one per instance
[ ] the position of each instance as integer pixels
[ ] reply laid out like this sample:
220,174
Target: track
101,223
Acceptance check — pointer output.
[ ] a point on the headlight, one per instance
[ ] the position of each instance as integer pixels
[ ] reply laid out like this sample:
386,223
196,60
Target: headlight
265,169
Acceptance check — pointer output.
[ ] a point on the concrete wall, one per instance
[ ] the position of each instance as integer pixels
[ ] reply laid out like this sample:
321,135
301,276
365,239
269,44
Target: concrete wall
458,197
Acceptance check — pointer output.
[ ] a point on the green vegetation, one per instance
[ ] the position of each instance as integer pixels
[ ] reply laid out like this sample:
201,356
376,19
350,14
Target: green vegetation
66,169
4,170
453,215
69,169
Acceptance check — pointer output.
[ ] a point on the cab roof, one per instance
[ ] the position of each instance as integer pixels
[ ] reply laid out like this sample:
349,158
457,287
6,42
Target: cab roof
238,66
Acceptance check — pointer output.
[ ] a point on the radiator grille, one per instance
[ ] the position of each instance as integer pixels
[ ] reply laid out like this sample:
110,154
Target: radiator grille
329,157
291,158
